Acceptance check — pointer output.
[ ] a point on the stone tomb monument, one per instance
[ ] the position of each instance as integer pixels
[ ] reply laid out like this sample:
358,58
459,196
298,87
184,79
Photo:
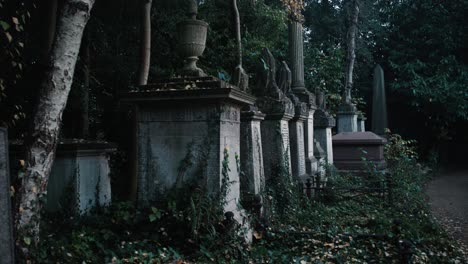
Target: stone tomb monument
279,110
296,125
6,221
186,129
351,147
81,172
323,124
252,179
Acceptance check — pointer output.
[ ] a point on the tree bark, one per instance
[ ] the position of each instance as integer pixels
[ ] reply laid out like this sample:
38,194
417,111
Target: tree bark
238,33
145,45
42,142
351,51
84,98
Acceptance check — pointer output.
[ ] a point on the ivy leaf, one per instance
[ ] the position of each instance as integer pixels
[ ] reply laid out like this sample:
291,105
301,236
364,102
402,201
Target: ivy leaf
4,25
27,240
9,37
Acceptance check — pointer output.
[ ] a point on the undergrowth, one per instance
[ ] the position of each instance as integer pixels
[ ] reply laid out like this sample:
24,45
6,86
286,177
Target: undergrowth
337,227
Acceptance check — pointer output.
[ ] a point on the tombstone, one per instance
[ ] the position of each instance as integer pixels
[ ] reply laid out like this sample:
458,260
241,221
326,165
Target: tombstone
355,151
361,119
296,125
379,104
80,175
187,128
347,118
6,219
323,124
279,110
252,180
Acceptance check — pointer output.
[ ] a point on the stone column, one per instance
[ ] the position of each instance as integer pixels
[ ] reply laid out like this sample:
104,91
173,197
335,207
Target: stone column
252,178
296,56
296,135
275,133
347,118
322,128
6,226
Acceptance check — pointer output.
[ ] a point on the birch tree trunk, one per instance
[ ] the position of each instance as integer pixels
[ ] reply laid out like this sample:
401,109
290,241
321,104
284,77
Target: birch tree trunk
40,151
145,45
351,52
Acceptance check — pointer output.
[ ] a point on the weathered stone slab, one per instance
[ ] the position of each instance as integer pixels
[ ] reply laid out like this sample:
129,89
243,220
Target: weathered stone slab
80,174
6,221
350,149
296,134
275,133
253,178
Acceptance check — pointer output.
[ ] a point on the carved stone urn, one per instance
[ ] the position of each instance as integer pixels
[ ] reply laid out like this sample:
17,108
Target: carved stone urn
192,39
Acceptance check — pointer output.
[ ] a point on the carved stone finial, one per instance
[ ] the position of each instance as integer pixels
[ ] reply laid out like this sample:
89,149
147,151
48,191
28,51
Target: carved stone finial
192,11
321,100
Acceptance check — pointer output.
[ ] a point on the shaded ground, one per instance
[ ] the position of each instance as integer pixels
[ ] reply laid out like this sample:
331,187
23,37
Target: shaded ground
448,198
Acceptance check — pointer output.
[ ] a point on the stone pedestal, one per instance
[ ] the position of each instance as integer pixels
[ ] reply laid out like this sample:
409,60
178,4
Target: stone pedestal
252,179
297,145
323,124
188,131
80,173
275,133
351,148
347,118
6,227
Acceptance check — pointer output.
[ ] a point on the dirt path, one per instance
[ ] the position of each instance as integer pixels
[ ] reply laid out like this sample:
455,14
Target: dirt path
448,198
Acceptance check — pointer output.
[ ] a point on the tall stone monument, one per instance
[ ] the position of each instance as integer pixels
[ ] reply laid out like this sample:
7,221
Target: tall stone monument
296,124
188,129
279,110
296,59
6,221
379,103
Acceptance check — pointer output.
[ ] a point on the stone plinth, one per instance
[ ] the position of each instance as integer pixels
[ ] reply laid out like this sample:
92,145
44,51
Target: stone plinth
351,147
80,172
6,220
323,124
347,118
275,133
296,135
187,128
252,180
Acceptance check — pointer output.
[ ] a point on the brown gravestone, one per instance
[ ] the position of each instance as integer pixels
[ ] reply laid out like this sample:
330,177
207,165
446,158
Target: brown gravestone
6,225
